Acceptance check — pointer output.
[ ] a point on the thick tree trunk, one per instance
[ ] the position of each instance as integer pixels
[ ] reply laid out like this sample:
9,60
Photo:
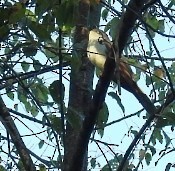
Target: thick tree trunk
81,81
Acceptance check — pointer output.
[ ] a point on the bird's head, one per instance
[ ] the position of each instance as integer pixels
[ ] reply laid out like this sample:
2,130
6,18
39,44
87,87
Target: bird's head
97,47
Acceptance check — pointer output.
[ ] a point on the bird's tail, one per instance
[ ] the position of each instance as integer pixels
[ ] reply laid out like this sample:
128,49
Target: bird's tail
127,82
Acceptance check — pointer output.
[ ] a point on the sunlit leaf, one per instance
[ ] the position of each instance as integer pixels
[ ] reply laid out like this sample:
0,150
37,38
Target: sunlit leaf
34,111
27,106
30,15
141,154
42,167
159,72
152,21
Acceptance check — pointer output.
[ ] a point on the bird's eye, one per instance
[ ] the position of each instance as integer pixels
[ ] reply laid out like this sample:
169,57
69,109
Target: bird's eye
100,40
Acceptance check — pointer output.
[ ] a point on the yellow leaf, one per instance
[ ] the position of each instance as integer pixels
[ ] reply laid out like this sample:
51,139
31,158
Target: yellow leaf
141,154
159,72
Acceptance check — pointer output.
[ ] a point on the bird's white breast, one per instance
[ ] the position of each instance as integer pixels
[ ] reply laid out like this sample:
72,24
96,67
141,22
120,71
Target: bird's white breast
96,51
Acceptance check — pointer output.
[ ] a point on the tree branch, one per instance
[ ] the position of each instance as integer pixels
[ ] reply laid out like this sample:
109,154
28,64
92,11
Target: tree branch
11,128
22,76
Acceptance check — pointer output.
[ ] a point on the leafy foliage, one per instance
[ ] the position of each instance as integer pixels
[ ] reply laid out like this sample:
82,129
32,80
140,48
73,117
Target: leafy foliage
34,94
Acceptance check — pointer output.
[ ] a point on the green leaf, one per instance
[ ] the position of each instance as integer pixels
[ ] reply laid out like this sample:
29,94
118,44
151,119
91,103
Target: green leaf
152,149
141,154
40,30
134,132
167,119
170,116
41,7
21,96
65,13
56,122
17,13
148,158
34,111
102,119
25,66
171,3
117,98
155,24
2,168
75,118
42,167
114,163
27,106
114,26
148,80
57,89
40,91
36,64
16,107
4,13
167,138
75,63
20,165
30,15
104,14
41,143
29,51
168,166
50,51
157,136
4,31
162,26
10,94
93,162
152,21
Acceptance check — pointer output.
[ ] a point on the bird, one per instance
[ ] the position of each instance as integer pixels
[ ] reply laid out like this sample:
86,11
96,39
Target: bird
97,51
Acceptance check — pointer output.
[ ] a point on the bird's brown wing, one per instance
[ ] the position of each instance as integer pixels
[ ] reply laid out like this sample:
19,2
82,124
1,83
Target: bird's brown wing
127,82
